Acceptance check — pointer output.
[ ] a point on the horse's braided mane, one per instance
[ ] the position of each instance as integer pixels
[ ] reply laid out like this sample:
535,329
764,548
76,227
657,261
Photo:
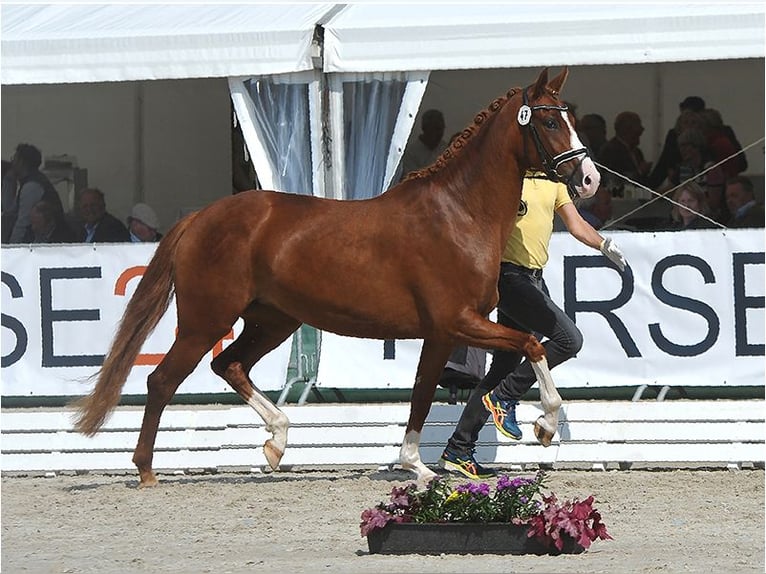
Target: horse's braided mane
462,138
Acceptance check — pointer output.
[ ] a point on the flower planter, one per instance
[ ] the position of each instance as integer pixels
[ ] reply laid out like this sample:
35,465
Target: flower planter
460,538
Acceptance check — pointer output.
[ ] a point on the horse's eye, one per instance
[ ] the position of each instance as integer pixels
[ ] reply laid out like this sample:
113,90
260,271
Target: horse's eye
551,124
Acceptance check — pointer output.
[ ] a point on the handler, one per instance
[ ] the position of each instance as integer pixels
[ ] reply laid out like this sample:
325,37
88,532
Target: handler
524,305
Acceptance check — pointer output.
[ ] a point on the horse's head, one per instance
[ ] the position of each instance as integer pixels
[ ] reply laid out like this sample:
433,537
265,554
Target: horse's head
545,121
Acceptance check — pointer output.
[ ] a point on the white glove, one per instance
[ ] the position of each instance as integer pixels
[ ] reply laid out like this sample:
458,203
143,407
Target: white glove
612,252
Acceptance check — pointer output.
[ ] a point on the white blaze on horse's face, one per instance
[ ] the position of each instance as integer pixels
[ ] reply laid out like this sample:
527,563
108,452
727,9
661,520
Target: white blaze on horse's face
591,178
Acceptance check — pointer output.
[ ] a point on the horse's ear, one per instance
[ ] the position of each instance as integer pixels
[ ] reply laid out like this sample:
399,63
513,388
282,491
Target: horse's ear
558,82
542,81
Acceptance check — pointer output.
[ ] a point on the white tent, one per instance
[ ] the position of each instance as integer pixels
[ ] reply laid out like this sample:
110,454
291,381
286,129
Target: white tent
62,43
377,37
59,43
333,60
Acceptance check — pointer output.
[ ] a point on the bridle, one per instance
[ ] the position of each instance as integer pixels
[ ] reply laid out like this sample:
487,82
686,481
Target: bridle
550,163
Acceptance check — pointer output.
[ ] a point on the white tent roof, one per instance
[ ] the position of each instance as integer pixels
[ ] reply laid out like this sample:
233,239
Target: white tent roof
93,43
58,43
375,37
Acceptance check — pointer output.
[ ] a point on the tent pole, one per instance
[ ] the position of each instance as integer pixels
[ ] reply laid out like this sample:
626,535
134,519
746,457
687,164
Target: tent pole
138,152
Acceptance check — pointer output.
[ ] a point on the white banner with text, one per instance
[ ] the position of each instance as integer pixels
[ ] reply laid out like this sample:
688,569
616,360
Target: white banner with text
60,309
689,311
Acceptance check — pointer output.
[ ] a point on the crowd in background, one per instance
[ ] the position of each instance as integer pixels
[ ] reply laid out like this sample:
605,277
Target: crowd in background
32,211
700,168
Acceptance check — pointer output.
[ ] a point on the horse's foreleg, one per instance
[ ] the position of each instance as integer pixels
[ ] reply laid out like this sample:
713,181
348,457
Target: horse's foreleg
433,357
546,425
479,332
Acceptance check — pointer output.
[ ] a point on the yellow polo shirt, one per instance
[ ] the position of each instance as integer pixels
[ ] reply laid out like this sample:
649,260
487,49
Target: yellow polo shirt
528,244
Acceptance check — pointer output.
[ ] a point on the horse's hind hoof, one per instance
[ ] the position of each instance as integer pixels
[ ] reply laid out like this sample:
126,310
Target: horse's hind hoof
147,480
544,436
273,454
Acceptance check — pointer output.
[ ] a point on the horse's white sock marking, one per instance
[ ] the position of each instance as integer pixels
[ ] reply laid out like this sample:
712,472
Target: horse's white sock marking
549,396
409,457
277,424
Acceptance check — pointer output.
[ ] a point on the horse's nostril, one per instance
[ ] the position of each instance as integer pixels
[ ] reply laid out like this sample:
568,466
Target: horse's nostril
587,180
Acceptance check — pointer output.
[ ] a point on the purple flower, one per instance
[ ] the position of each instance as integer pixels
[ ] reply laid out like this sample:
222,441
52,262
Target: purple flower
505,482
474,489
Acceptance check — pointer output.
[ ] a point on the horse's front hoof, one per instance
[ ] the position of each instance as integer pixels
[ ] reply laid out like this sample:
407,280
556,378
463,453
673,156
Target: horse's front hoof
273,454
423,474
544,436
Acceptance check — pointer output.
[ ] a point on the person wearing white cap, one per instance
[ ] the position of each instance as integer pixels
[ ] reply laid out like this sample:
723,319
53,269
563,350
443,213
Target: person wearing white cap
143,224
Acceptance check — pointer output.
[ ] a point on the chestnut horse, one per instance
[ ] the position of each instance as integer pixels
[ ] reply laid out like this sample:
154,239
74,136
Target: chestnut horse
420,261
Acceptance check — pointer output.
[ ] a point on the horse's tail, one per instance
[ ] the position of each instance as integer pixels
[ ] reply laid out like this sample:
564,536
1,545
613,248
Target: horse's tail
144,311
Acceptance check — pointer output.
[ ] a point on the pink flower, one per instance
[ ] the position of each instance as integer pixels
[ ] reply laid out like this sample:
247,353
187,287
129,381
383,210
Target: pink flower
373,518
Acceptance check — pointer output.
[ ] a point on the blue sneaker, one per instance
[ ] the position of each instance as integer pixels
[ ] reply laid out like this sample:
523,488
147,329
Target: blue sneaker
465,465
504,415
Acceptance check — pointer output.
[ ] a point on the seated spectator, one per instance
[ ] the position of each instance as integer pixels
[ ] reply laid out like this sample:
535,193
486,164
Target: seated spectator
33,187
99,225
47,227
592,131
740,199
597,209
694,160
143,224
692,203
715,190
622,153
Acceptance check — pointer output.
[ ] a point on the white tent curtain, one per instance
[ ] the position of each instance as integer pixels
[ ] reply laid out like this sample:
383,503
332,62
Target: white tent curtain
372,115
274,113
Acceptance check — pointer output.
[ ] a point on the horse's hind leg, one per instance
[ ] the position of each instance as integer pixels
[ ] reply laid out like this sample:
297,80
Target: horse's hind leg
433,357
162,384
265,329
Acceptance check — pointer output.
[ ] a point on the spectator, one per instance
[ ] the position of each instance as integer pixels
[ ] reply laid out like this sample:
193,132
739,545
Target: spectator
47,227
143,224
692,103
690,204
597,209
715,190
740,199
622,153
592,131
33,187
695,159
9,185
723,144
426,148
689,114
99,226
